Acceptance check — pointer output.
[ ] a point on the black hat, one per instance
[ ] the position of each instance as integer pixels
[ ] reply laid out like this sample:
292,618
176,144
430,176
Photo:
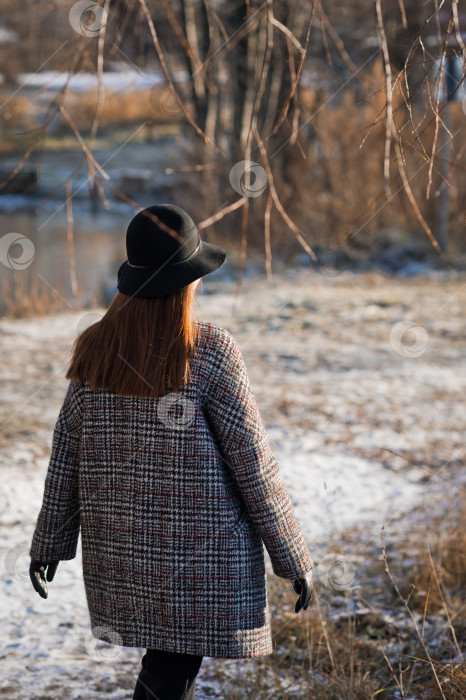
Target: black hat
160,263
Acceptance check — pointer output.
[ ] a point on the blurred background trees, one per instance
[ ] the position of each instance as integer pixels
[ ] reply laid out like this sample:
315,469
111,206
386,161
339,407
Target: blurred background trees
339,105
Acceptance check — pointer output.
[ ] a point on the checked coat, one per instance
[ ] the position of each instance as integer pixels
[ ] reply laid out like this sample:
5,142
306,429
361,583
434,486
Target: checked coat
175,498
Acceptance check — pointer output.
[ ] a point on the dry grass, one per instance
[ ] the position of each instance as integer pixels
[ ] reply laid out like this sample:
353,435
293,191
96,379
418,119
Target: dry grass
21,117
21,299
448,553
380,651
16,117
121,108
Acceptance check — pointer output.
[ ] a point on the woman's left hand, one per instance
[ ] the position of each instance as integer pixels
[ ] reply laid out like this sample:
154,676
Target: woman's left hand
37,573
304,587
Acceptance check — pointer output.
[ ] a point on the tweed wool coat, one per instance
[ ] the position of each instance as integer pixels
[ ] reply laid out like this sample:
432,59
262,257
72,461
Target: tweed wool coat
175,498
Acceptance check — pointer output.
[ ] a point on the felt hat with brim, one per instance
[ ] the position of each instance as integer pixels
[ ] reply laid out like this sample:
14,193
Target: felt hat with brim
165,253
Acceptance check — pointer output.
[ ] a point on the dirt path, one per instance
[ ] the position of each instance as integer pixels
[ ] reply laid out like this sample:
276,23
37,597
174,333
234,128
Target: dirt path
364,415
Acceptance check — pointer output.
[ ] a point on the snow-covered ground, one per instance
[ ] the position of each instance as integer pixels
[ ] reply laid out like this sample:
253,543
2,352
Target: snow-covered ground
360,381
119,80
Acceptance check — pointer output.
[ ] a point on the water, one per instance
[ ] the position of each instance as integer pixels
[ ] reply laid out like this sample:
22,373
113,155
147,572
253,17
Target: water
99,248
39,214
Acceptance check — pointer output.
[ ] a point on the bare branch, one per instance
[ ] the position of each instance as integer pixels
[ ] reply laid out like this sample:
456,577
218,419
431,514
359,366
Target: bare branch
220,214
70,240
169,80
389,127
276,199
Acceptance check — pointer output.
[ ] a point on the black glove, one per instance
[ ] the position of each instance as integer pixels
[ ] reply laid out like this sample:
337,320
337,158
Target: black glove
37,573
303,586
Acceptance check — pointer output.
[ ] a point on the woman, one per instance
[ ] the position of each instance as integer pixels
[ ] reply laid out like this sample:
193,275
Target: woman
161,460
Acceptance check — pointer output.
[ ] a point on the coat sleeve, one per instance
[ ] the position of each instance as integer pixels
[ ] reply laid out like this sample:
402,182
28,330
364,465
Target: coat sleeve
57,529
234,419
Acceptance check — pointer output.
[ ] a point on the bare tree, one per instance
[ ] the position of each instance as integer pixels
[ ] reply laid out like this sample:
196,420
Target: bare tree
243,101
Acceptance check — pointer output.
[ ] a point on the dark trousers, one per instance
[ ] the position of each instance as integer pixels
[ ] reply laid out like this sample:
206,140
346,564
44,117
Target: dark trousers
166,675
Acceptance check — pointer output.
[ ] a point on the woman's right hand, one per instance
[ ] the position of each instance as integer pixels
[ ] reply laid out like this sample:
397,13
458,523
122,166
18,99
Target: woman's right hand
38,576
304,587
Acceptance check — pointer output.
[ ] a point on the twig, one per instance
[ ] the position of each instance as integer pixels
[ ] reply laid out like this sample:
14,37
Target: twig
276,199
388,90
100,70
295,82
220,214
169,80
459,38
267,242
70,241
405,603
447,613
399,685
325,633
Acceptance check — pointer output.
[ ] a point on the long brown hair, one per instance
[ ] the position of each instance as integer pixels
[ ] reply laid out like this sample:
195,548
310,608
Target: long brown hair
141,346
